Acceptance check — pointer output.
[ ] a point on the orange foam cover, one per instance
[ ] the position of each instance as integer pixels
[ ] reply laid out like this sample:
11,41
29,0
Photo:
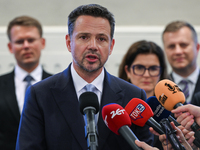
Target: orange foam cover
169,94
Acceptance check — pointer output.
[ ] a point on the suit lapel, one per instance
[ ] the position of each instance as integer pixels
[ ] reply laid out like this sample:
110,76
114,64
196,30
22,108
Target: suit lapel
112,93
10,96
66,98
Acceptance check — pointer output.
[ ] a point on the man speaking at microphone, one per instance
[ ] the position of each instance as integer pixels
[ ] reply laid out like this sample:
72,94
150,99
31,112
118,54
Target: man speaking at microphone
51,118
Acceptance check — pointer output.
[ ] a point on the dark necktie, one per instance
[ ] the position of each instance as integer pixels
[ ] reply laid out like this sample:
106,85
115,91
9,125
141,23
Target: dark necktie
28,79
186,88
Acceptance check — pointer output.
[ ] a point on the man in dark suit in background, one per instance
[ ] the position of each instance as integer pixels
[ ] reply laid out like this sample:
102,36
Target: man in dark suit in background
26,43
51,118
181,48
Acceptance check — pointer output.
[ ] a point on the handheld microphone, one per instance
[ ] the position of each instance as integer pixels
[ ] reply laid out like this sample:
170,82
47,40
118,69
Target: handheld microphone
171,96
118,121
141,114
89,106
171,135
159,111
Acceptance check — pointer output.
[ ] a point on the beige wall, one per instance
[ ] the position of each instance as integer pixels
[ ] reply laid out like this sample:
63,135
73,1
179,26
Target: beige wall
127,12
55,57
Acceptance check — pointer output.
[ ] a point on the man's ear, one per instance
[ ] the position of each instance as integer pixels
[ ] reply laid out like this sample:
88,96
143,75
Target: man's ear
68,42
10,47
111,46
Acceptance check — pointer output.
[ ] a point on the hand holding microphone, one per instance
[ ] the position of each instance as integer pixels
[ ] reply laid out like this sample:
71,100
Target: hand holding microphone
166,145
160,113
141,114
144,145
186,115
170,96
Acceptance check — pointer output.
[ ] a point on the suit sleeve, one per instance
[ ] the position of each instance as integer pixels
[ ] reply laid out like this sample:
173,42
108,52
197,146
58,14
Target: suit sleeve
31,127
196,99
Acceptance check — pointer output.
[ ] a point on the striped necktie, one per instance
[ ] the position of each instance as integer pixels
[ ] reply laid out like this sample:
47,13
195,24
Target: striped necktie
186,88
28,79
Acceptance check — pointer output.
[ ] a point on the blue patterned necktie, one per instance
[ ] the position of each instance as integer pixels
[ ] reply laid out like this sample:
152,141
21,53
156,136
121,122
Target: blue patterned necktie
90,88
186,88
28,79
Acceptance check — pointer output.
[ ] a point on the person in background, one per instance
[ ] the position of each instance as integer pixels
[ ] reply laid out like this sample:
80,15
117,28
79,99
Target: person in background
25,43
181,48
144,65
51,117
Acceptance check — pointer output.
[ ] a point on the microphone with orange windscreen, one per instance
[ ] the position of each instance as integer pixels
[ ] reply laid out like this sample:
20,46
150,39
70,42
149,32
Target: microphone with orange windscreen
171,96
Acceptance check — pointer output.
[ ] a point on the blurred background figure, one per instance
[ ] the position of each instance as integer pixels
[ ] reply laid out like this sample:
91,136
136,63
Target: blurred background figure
25,43
144,65
181,47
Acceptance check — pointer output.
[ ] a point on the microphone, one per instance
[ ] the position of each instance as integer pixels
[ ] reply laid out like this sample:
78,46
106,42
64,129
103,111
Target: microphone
89,106
159,111
171,96
118,121
141,114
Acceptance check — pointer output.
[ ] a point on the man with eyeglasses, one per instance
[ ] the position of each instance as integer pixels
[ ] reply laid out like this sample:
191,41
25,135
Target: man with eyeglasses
26,43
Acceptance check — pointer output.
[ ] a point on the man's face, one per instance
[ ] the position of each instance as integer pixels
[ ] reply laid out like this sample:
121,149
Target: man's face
90,43
180,49
26,44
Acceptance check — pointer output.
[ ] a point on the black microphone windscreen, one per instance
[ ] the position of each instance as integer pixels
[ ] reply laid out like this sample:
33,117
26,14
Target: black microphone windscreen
88,99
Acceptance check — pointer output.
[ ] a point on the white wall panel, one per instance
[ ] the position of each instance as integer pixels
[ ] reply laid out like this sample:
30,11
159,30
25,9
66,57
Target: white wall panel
55,56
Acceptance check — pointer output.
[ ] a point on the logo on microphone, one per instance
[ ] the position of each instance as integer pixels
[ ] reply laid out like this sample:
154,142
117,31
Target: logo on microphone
117,112
105,120
137,111
162,98
174,88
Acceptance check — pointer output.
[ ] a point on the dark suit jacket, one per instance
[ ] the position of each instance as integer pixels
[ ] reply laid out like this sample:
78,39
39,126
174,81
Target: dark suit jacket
9,111
197,88
51,118
196,100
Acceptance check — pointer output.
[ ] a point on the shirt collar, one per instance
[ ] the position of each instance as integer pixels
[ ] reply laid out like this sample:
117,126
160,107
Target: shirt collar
79,82
21,73
192,77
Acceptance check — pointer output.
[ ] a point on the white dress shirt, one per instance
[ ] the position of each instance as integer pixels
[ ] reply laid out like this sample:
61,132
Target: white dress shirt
20,84
80,83
192,82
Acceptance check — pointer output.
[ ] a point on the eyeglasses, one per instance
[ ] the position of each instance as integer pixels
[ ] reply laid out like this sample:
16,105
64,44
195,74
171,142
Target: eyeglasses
29,40
139,70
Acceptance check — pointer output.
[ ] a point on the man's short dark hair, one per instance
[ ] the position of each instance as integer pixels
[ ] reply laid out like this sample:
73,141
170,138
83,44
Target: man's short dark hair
94,10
